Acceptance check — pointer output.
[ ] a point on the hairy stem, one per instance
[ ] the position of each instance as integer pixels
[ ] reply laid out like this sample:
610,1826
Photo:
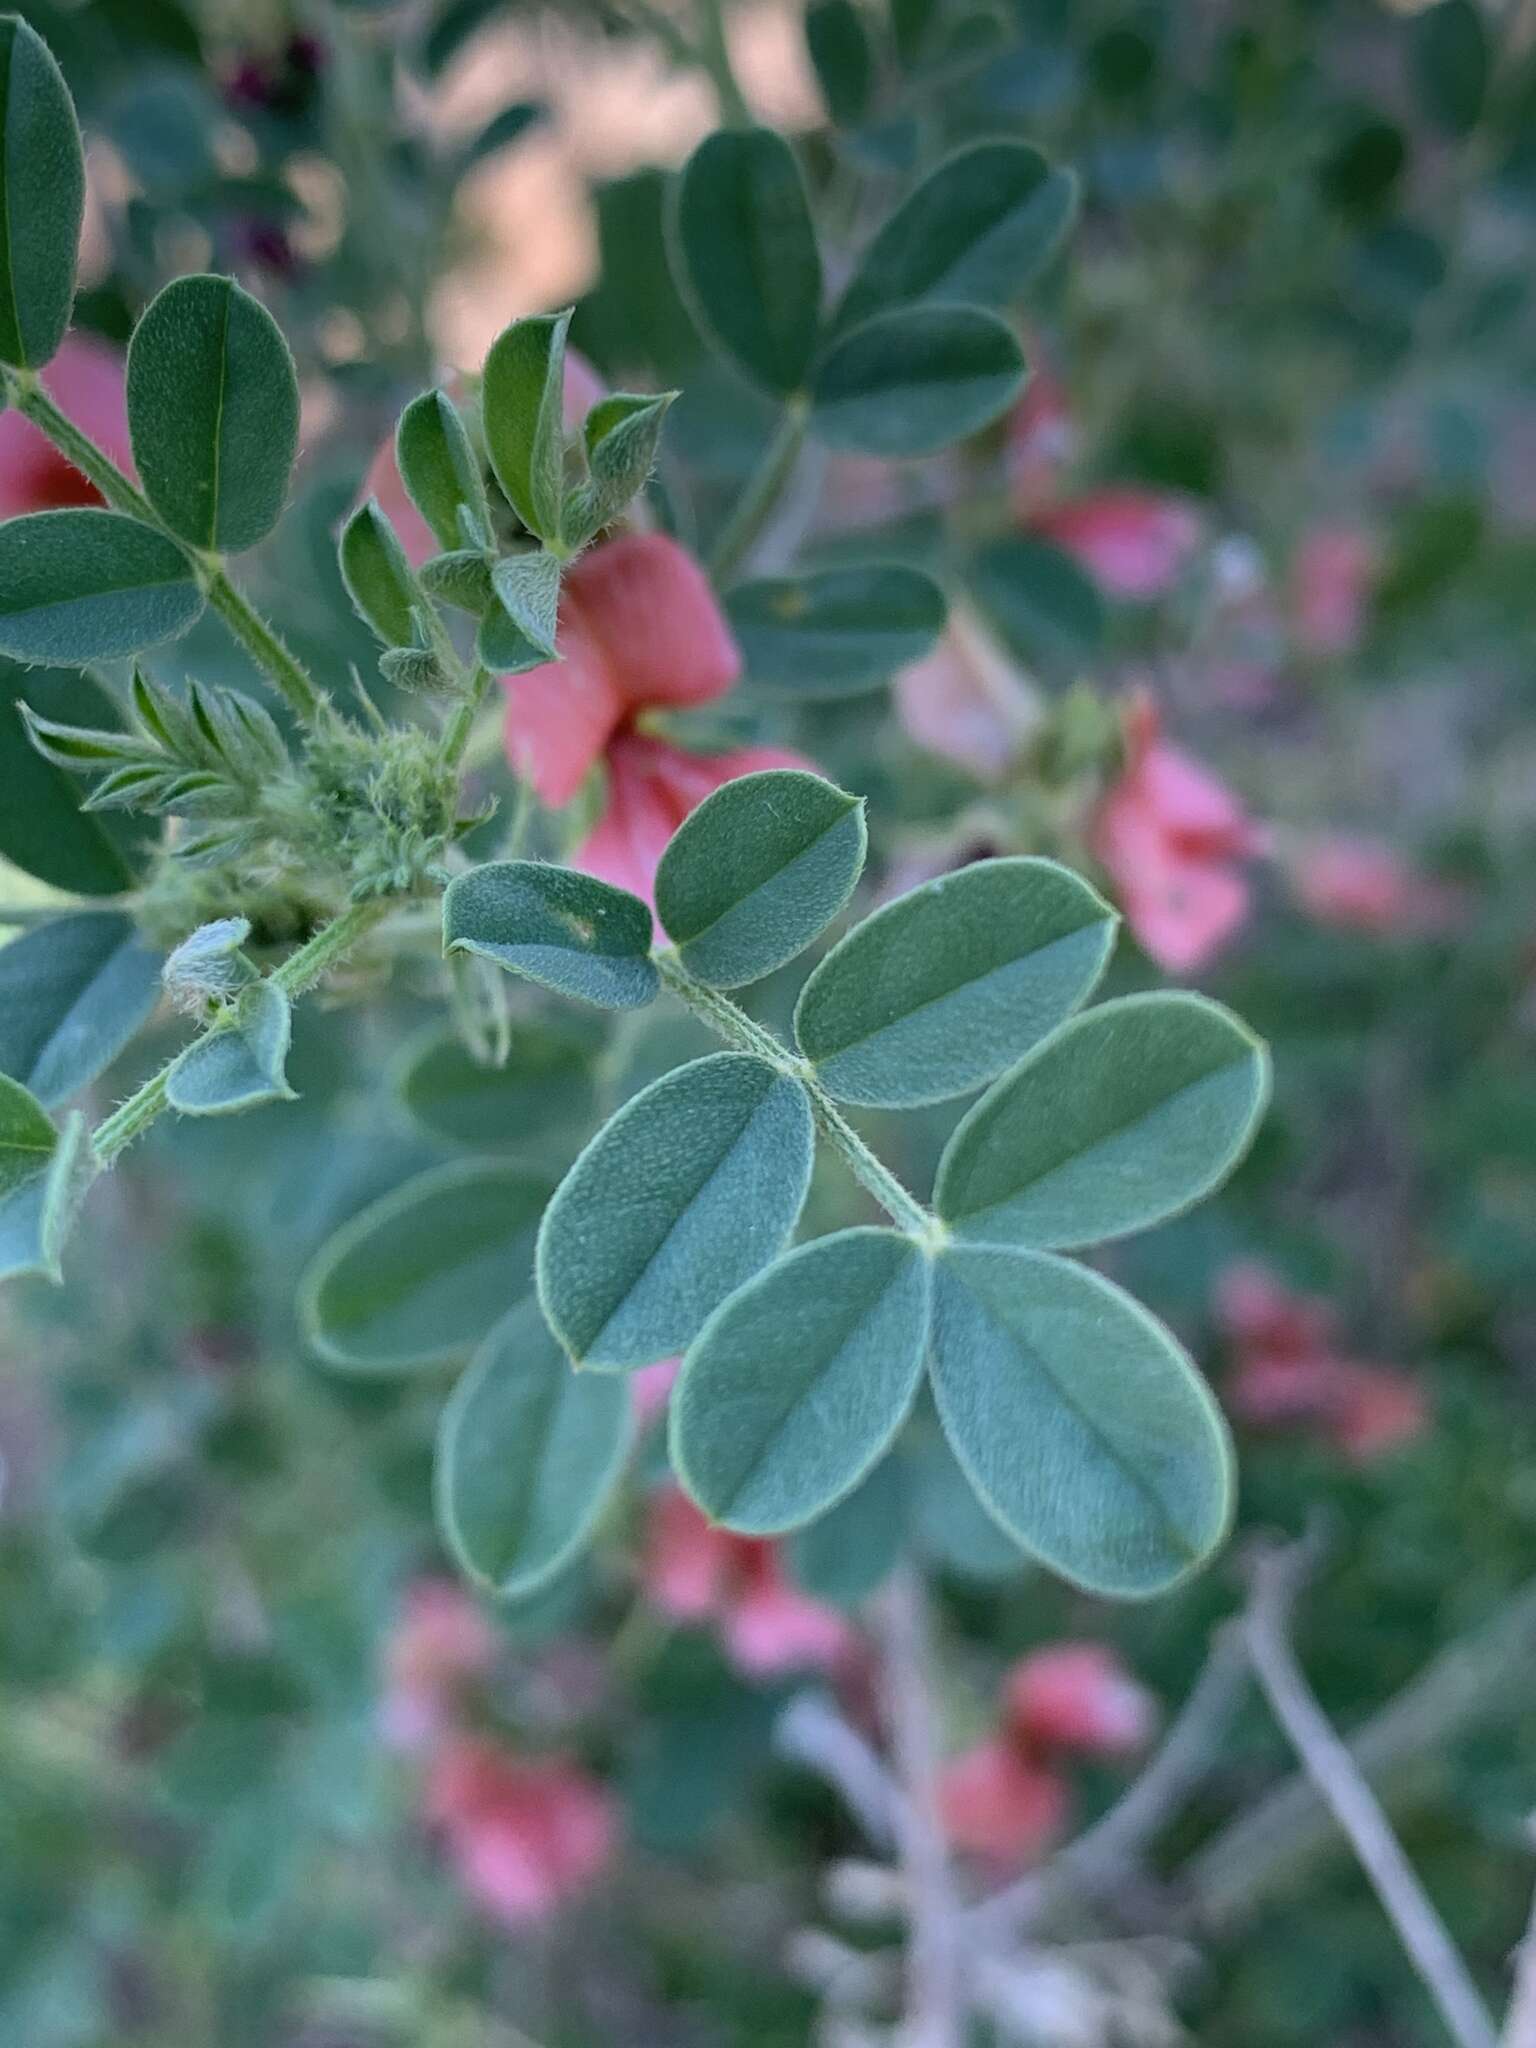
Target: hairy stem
462,722
289,676
935,2015
298,973
763,491
1332,1769
738,1029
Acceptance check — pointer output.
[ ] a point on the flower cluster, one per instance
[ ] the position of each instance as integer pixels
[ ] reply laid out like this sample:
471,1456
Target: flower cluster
1008,1798
523,1834
1292,1372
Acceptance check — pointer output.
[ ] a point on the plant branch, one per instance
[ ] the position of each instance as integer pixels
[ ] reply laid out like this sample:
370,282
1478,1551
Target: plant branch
1354,1806
293,681
935,2016
762,492
738,1029
714,53
1520,2020
297,974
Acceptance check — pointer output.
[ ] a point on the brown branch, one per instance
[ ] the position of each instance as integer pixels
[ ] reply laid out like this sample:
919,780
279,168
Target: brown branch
1354,1806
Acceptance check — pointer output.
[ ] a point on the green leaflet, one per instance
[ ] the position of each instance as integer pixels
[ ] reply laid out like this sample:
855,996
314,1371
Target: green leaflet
744,249
543,1092
842,58
72,994
798,1383
528,1455
240,1066
522,400
756,871
441,472
622,434
213,411
378,575
1078,1419
976,232
913,380
567,930
43,1174
837,631
846,1553
939,991
1123,1117
422,1274
528,586
42,828
87,585
1049,611
691,1188
42,198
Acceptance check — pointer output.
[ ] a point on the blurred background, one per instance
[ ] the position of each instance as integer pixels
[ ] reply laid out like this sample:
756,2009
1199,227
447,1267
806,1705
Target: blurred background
1243,621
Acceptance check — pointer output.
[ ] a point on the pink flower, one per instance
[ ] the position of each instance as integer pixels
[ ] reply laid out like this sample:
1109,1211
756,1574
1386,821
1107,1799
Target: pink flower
651,1389
1365,885
967,702
696,1572
85,379
1135,543
440,1643
640,630
997,1802
1292,1374
1330,588
524,1837
1078,1697
1172,838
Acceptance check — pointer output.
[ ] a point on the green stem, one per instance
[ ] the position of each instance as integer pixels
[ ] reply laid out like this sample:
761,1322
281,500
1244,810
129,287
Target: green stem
763,491
300,691
298,973
743,1032
459,727
715,56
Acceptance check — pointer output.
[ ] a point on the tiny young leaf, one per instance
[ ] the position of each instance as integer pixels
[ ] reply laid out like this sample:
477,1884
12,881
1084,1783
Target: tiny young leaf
1124,1116
88,585
745,246
213,410
976,232
622,434
422,1274
911,381
686,1193
1080,1422
528,1454
523,407
756,871
938,992
834,632
579,936
240,1066
798,1383
42,198
440,469
378,575
72,994
528,586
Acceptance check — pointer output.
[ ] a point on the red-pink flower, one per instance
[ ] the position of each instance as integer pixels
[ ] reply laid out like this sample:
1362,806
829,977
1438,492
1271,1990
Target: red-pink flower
1135,543
1078,1697
440,1643
1172,839
1365,885
998,1802
85,379
967,702
696,1572
651,1389
640,631
1331,578
524,1837
1291,1372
